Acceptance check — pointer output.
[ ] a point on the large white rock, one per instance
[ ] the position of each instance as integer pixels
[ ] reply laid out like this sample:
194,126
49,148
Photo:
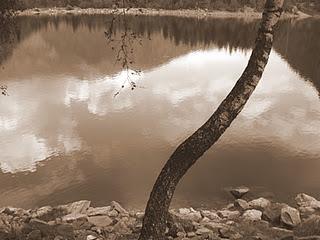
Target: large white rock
290,216
260,203
306,201
252,215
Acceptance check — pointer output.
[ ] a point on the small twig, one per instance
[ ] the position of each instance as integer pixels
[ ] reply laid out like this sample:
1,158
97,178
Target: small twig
124,45
4,90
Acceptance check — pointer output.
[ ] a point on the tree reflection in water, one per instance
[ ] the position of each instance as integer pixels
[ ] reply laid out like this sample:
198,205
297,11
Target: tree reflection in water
295,41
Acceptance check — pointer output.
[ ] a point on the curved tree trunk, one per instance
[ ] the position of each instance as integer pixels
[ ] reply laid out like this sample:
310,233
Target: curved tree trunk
156,214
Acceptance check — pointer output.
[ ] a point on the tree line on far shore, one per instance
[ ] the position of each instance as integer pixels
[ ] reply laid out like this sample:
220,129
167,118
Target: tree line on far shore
309,6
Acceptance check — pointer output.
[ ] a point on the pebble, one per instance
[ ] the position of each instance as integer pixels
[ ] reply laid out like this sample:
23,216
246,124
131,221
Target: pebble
239,192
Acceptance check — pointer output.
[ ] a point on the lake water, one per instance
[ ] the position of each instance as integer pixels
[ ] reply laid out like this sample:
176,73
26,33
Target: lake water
65,137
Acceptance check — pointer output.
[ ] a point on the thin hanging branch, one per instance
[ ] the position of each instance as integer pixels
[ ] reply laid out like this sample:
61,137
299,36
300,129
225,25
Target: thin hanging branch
124,45
4,90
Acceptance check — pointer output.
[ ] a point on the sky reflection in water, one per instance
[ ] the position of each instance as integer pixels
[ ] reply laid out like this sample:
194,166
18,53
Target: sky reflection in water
64,135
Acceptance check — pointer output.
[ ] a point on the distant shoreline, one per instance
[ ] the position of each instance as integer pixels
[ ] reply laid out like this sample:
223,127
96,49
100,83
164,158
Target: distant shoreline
153,12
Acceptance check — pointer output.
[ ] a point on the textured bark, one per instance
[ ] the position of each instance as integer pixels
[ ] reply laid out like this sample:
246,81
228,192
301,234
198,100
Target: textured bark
187,153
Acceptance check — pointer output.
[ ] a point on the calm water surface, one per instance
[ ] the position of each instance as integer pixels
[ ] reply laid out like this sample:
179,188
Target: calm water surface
65,137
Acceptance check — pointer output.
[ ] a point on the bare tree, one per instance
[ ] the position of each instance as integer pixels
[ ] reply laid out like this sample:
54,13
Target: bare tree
187,153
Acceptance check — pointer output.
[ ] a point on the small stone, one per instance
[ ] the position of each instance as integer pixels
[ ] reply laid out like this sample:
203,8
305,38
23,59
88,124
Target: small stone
306,211
139,215
98,211
91,237
82,224
113,213
204,220
290,216
282,231
118,207
252,215
195,216
260,203
100,221
9,210
79,207
228,214
191,234
242,204
202,231
304,200
42,211
73,217
230,206
181,234
184,211
192,215
215,226
211,215
239,192
99,230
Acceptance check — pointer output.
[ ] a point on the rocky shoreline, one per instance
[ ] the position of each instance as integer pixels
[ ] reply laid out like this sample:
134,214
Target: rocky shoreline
255,219
247,13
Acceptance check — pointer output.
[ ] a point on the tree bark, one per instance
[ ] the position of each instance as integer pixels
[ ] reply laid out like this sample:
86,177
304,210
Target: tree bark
187,153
